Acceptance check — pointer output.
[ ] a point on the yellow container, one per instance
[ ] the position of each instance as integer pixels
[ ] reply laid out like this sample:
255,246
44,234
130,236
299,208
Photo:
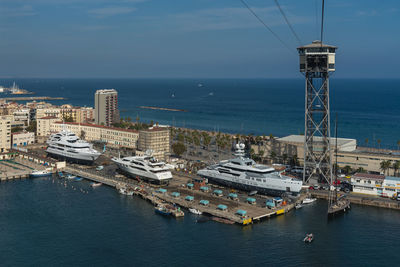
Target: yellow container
281,211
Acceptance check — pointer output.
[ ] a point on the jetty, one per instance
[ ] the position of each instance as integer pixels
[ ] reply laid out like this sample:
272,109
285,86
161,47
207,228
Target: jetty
159,108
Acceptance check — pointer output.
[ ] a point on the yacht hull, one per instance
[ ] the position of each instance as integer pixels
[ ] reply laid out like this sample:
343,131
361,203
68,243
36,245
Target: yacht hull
80,160
149,177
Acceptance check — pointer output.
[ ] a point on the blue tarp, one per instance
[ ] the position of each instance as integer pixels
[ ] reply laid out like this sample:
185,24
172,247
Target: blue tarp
218,192
204,202
222,207
251,200
241,212
175,194
233,195
162,190
204,188
189,198
190,185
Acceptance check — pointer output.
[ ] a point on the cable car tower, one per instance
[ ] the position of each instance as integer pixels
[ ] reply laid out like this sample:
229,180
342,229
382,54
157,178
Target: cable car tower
317,61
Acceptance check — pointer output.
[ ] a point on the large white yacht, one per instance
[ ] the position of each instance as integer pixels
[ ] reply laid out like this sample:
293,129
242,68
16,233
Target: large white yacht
66,145
243,173
145,167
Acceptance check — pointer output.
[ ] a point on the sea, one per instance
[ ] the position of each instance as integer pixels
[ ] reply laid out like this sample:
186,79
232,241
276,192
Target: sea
44,222
367,109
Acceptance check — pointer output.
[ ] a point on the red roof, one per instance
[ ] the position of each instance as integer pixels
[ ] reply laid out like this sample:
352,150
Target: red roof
369,176
48,118
98,126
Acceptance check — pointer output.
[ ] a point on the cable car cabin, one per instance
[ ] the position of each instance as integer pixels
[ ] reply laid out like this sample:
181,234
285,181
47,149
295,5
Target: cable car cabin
317,57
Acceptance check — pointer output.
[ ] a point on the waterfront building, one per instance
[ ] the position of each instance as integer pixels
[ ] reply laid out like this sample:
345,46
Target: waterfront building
5,132
348,154
156,139
370,184
114,137
106,107
22,139
43,125
391,186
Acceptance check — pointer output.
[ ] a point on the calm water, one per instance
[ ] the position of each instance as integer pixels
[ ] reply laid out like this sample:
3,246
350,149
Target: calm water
366,108
45,224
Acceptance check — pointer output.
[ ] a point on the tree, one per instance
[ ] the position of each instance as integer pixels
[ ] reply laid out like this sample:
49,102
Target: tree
295,160
16,129
379,143
347,169
83,134
178,148
385,165
181,137
32,127
272,155
360,169
396,167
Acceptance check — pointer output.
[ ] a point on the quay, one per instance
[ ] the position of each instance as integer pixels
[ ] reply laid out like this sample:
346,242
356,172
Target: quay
362,200
29,98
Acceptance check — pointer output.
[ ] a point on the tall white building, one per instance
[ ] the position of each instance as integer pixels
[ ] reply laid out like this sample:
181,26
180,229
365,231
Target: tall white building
5,132
106,106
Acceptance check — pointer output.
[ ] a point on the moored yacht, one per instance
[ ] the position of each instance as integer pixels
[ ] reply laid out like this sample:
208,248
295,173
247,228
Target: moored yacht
145,167
243,173
66,145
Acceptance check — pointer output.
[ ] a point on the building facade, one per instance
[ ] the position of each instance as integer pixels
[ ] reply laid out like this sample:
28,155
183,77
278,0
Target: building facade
370,184
22,139
115,137
156,139
43,125
5,132
106,107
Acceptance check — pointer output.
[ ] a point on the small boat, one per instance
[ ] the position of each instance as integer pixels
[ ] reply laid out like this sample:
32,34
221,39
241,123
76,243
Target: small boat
78,179
253,193
95,184
70,176
36,173
162,210
298,206
309,200
194,211
126,192
309,238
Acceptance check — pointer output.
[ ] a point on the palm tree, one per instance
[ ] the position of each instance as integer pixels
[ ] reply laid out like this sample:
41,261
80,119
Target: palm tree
347,169
272,156
396,167
295,160
385,165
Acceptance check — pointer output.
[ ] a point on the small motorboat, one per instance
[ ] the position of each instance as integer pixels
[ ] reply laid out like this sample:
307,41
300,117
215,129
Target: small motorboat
43,173
77,179
95,184
253,193
309,238
309,200
70,176
194,211
162,210
298,206
126,192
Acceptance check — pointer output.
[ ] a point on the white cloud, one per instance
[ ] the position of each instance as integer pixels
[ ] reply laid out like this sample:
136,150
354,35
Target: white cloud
110,11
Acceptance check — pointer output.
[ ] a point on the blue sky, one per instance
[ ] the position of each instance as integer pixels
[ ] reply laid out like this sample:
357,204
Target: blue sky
192,38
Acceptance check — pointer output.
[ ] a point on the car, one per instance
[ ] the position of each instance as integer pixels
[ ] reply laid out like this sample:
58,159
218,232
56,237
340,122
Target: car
316,187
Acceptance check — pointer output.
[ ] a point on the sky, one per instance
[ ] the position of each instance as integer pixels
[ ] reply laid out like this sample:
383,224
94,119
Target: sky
192,38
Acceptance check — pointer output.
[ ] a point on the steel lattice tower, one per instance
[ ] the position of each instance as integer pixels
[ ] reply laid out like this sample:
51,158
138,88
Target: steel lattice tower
317,61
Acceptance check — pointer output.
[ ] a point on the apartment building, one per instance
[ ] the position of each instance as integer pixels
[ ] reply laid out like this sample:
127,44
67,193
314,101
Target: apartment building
156,139
5,132
106,107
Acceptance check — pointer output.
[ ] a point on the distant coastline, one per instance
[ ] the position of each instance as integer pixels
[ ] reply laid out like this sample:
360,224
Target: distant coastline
159,108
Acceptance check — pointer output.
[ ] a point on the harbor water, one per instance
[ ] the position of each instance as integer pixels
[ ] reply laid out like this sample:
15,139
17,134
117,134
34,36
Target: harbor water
367,109
45,222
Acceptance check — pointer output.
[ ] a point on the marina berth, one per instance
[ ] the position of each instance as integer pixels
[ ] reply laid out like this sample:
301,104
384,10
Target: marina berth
145,167
245,174
67,146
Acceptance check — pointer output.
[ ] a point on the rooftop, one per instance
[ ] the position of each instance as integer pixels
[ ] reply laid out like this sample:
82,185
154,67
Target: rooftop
369,176
316,44
300,139
98,126
106,91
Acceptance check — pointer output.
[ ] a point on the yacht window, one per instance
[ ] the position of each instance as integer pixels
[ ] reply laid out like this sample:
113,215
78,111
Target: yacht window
248,163
71,141
258,180
236,163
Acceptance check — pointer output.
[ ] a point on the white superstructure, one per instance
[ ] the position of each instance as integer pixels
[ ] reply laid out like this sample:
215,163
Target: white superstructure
66,145
244,173
145,167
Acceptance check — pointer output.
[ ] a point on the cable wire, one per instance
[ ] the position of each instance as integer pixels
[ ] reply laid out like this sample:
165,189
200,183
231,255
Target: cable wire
322,20
287,22
265,25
